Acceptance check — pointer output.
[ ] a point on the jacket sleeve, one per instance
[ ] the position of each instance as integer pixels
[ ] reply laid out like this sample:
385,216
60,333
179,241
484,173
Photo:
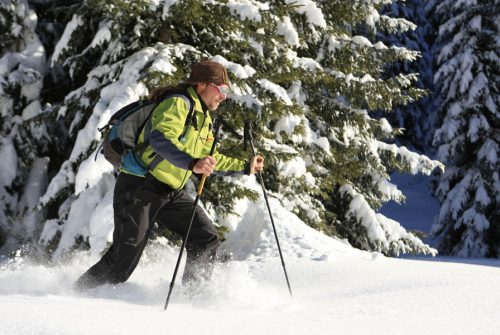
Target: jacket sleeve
168,122
226,166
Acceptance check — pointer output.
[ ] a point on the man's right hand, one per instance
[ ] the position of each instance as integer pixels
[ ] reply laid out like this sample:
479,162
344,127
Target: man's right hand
205,165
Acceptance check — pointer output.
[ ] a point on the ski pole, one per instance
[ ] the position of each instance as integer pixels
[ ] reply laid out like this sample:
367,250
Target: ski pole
198,195
261,180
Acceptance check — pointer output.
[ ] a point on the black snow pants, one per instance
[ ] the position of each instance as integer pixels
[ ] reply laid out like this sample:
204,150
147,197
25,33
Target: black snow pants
138,203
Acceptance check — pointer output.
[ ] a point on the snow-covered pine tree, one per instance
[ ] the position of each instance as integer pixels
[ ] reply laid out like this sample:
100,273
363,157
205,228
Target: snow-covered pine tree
22,135
322,182
355,181
299,73
468,83
418,119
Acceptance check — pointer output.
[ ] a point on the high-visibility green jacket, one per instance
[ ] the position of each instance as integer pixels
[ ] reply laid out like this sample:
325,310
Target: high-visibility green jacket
174,157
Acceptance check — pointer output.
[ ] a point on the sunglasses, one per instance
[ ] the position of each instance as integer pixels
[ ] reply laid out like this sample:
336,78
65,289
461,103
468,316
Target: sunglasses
223,89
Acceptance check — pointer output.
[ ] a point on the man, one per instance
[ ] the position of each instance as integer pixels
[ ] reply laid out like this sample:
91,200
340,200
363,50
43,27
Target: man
177,143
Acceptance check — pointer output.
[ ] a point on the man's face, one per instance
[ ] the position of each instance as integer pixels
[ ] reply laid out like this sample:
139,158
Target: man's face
211,94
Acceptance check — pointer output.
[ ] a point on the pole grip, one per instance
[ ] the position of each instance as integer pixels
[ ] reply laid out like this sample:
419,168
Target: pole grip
200,186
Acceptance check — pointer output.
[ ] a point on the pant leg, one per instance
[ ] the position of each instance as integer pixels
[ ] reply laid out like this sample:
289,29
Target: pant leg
136,202
203,239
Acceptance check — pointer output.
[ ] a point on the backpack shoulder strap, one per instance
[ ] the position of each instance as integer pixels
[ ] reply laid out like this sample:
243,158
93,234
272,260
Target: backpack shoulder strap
189,119
147,131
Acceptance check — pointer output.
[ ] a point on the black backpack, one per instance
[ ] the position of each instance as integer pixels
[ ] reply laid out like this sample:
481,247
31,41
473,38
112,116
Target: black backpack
120,135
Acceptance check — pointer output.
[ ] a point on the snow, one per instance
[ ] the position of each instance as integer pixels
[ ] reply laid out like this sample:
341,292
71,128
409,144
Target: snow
101,223
482,196
349,291
389,190
50,229
380,46
287,124
8,163
64,177
490,103
324,144
313,14
305,63
362,41
242,72
32,110
83,214
475,23
247,100
247,9
477,125
33,189
287,30
35,184
489,151
102,36
417,163
372,18
257,46
277,90
367,78
385,125
163,62
397,24
380,229
478,88
334,44
90,172
293,168
295,93
166,8
62,44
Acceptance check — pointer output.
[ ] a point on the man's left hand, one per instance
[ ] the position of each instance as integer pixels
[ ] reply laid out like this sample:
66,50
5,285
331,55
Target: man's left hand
256,164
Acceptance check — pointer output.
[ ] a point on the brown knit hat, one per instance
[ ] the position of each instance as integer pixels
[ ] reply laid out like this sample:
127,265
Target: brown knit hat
208,72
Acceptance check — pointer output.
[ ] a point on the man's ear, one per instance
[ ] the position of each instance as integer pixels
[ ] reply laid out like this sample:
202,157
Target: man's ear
200,87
